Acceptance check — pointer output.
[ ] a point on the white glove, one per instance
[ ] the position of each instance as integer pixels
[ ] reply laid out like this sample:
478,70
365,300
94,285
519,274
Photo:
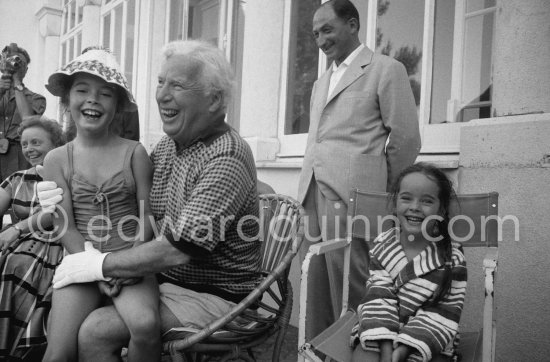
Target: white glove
83,267
49,195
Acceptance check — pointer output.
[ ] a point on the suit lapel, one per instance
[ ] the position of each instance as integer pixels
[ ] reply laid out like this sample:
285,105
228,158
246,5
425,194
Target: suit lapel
354,71
322,87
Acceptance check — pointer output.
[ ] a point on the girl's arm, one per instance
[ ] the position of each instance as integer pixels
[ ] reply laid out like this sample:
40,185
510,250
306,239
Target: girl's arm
379,307
378,312
143,175
437,325
10,234
5,199
63,218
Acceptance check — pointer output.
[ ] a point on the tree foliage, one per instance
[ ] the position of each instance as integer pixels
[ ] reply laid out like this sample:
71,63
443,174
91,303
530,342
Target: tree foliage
408,55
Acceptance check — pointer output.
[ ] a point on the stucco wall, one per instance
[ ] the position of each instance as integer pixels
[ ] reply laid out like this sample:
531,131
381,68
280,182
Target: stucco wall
507,155
521,75
25,33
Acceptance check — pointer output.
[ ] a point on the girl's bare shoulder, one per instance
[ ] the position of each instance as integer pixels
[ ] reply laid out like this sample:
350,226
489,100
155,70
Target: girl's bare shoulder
57,157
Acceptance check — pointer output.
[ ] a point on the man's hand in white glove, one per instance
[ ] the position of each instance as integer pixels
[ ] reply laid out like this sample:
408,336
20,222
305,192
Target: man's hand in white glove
83,267
48,193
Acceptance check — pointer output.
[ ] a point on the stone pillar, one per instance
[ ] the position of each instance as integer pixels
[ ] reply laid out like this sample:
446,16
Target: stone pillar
90,21
49,17
510,154
521,74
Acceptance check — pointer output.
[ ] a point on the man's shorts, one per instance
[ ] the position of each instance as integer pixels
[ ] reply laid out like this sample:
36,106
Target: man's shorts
192,309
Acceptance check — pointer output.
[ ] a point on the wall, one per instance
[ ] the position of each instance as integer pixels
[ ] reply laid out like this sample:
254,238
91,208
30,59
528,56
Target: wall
506,155
521,57
25,33
511,154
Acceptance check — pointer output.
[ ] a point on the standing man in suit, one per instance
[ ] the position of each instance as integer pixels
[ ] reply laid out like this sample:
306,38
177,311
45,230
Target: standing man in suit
363,131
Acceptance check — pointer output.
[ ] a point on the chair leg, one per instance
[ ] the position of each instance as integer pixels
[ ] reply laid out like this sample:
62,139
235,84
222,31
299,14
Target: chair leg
284,320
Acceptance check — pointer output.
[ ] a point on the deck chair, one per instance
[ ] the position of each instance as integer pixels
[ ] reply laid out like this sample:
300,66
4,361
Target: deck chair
266,310
481,209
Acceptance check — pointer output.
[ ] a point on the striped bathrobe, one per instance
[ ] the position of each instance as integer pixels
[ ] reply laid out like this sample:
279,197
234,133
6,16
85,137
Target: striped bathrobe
396,305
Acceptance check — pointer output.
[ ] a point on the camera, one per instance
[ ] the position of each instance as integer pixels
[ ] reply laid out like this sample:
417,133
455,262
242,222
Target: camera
10,61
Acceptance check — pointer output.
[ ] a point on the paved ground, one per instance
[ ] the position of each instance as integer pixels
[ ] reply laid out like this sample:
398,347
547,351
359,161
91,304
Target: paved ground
289,351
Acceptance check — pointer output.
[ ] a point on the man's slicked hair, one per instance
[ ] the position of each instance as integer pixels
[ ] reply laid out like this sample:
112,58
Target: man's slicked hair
344,9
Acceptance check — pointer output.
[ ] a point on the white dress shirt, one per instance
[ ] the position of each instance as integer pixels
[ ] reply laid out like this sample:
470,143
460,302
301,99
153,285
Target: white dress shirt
338,70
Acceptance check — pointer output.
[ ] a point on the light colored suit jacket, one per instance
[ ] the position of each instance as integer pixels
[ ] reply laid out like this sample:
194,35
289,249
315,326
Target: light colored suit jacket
346,145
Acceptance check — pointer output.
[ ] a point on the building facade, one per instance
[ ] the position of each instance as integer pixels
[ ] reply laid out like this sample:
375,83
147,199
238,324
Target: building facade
479,70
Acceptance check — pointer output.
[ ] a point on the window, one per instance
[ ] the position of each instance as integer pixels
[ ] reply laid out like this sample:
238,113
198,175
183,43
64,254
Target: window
402,39
71,31
459,45
208,20
119,34
446,47
448,56
304,64
471,92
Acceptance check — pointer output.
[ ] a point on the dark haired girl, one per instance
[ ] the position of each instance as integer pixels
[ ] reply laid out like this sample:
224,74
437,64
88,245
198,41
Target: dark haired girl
415,292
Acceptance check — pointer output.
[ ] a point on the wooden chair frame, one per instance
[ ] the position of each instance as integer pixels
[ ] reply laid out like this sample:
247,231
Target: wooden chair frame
482,209
252,321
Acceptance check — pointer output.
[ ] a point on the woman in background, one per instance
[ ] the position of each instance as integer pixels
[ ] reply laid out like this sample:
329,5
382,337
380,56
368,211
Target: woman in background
29,254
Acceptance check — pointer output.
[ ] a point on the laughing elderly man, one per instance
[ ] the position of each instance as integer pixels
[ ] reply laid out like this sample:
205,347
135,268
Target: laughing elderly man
204,182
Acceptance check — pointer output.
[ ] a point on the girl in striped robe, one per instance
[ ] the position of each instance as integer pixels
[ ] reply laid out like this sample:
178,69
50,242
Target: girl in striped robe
415,292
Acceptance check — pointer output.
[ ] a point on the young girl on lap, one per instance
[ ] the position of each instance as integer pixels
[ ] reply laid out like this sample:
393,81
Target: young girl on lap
415,292
108,179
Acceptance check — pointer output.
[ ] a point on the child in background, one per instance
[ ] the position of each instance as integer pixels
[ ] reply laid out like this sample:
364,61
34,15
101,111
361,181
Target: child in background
108,179
415,292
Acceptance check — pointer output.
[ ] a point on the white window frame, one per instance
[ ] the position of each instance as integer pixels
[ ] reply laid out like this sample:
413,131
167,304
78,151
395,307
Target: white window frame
291,145
108,8
225,21
70,32
438,139
445,138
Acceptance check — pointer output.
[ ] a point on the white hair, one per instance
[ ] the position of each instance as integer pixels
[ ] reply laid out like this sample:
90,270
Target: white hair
216,73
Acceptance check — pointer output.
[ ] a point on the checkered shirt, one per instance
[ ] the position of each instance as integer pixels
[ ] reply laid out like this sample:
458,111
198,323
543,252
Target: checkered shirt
194,191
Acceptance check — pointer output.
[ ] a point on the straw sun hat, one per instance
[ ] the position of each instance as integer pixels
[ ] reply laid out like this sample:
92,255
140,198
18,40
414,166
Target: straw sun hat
96,61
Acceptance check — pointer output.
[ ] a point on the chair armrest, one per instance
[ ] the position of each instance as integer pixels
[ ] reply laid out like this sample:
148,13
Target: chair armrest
491,259
177,345
327,246
490,263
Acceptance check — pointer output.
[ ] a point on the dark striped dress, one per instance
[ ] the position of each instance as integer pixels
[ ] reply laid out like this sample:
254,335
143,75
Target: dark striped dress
26,271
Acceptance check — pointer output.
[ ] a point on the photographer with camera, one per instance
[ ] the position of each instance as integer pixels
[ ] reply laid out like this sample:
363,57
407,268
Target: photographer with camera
16,102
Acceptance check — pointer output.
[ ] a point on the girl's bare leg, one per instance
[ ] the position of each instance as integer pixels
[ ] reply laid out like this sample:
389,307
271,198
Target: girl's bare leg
138,306
70,306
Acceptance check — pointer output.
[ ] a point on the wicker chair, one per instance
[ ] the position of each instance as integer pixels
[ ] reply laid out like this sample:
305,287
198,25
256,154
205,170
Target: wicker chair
234,335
